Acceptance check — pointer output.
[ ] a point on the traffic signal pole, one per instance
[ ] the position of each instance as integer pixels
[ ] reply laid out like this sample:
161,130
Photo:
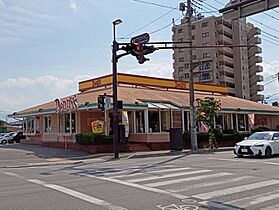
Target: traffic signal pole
194,144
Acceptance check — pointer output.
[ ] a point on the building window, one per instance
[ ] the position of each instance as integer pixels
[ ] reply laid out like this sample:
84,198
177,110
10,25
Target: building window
193,37
205,24
193,27
140,125
205,66
70,122
206,55
187,75
206,34
153,121
186,65
180,40
180,78
180,50
47,120
165,120
180,69
205,76
194,57
181,59
180,30
205,44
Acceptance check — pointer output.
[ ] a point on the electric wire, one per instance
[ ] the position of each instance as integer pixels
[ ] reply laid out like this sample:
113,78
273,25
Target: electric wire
271,16
264,24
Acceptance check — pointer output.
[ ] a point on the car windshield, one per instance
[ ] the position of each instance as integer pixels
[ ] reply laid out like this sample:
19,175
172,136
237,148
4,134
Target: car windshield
260,136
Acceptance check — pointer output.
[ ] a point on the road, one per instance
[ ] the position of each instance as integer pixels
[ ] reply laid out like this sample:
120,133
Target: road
185,181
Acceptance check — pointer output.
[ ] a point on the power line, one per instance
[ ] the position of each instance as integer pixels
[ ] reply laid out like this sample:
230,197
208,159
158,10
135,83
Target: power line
144,26
155,4
264,24
270,42
271,16
165,26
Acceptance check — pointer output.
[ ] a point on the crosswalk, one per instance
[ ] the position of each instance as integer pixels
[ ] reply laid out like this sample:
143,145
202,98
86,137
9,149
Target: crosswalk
229,190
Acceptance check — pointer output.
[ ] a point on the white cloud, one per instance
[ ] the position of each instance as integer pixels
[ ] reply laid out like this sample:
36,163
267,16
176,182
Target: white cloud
272,84
154,70
73,5
21,93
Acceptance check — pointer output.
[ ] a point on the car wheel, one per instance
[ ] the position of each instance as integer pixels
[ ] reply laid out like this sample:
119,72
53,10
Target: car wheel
4,142
268,152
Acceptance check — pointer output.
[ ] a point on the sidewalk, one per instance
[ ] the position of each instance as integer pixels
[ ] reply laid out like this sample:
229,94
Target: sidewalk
64,157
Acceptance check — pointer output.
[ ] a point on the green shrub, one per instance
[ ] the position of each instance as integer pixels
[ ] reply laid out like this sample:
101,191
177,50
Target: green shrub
93,138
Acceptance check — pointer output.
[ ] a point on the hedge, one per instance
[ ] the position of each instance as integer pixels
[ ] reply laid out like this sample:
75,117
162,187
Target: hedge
221,138
93,138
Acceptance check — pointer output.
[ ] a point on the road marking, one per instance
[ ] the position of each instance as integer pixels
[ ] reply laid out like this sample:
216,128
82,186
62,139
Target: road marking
168,176
146,173
175,181
84,197
138,186
232,190
71,192
195,186
245,161
256,199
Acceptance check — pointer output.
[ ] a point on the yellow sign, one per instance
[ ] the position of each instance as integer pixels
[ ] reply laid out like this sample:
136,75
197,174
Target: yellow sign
149,81
97,126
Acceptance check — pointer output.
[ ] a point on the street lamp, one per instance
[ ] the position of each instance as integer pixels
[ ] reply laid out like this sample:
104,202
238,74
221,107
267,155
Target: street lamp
114,87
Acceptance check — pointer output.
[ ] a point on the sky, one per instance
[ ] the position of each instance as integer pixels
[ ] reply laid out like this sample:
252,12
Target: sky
47,46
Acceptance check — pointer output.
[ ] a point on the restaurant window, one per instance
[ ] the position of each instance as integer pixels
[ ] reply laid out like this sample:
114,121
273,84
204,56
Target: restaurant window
31,125
165,120
219,122
47,121
241,122
131,122
227,121
153,121
67,123
234,121
177,119
140,125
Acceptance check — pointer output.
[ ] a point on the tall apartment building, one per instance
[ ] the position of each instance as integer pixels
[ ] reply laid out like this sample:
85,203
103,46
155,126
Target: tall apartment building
235,67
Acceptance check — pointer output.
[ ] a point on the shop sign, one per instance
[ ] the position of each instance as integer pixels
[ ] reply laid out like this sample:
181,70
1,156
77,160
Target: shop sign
97,126
68,105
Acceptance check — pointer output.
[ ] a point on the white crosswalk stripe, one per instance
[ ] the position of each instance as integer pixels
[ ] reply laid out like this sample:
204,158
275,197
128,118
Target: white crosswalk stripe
175,181
156,171
232,190
216,183
168,175
204,184
257,199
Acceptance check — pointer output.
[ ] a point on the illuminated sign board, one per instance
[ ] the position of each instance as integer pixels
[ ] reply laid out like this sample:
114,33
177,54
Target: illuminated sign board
149,81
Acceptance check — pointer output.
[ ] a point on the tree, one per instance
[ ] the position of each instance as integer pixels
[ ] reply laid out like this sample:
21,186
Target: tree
207,110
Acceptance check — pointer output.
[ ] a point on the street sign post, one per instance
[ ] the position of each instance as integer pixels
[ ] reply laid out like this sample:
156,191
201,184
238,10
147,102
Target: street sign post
141,39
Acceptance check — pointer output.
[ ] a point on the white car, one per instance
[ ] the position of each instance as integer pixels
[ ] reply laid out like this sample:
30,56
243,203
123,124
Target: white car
259,144
6,138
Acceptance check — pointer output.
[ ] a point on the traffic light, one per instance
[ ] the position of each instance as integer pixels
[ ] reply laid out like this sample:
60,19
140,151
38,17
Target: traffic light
139,51
101,102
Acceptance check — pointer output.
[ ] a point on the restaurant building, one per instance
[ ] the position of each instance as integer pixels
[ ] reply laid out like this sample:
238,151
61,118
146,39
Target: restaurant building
151,106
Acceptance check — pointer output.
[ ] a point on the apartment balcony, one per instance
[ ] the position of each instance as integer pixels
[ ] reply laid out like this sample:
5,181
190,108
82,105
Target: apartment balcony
257,97
254,60
254,32
255,89
221,29
224,39
255,69
255,78
254,50
254,40
225,59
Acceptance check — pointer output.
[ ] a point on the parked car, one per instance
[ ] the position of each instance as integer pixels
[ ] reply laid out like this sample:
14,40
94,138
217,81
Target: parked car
7,138
259,144
16,138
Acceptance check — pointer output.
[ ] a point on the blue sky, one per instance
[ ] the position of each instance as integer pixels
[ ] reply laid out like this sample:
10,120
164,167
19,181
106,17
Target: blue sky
47,46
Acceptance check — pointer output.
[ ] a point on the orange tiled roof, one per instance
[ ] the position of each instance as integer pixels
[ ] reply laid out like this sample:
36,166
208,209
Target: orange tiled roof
131,95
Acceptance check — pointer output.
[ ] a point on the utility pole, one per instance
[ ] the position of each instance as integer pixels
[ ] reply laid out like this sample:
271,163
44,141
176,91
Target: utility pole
194,144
